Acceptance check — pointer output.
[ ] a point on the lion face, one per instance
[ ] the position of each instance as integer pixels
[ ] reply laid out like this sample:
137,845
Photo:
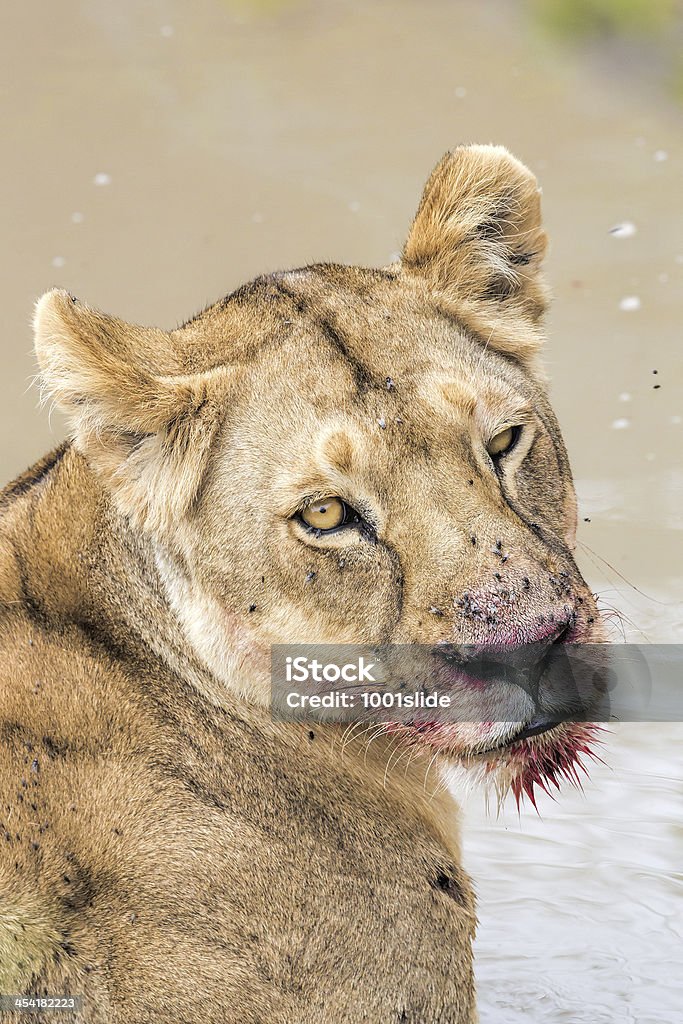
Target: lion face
337,455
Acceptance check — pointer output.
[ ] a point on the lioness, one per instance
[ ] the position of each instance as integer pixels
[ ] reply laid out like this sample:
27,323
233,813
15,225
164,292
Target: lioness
329,454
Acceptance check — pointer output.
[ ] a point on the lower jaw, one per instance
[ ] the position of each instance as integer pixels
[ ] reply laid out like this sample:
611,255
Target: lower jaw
549,760
544,761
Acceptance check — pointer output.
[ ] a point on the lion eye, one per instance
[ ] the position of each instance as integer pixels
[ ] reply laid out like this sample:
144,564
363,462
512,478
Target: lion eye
502,442
325,515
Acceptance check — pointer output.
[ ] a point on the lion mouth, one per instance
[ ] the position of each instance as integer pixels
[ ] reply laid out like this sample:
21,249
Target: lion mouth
534,728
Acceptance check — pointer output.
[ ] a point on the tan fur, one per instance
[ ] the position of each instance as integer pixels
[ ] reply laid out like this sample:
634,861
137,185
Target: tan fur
166,849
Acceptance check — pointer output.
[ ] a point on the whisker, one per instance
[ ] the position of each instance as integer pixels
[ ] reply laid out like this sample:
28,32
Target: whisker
594,555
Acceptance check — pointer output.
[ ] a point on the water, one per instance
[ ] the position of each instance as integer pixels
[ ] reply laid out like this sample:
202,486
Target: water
157,155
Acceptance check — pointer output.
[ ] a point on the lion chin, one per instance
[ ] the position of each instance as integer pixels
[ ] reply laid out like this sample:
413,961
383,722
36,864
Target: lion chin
519,763
544,761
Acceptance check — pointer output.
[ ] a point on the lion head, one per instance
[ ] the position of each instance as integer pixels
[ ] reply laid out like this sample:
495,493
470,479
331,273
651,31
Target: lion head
336,454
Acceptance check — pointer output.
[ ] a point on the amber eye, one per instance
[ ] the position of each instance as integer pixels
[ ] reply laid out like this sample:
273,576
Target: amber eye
503,442
325,515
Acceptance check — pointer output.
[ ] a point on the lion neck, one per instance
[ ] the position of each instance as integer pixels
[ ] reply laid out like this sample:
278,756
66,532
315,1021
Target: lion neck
87,567
130,594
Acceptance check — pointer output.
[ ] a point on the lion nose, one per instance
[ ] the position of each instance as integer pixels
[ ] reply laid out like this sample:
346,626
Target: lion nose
530,642
522,663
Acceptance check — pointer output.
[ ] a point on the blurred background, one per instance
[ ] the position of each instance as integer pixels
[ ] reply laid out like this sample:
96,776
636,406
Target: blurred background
158,154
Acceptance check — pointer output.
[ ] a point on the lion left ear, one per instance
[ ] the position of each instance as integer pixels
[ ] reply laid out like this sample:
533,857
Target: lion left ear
477,239
145,428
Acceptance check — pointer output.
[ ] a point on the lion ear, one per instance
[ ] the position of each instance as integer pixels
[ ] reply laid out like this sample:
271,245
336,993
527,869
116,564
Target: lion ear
478,240
145,429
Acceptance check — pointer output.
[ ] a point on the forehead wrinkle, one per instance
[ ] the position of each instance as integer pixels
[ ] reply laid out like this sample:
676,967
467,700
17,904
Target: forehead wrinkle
316,312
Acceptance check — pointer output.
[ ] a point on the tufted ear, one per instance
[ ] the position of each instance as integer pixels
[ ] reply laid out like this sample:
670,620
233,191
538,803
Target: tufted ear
478,240
144,428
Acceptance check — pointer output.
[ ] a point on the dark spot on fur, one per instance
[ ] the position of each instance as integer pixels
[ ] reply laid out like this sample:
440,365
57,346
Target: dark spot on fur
11,731
448,883
114,647
54,748
82,882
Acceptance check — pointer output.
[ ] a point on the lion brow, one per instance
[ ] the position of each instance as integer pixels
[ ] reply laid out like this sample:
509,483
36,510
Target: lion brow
460,394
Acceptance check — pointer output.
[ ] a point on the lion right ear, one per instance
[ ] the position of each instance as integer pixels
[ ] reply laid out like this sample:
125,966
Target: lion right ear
478,241
145,429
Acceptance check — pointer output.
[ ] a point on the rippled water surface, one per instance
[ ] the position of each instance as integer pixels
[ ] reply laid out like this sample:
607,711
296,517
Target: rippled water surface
157,155
580,908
